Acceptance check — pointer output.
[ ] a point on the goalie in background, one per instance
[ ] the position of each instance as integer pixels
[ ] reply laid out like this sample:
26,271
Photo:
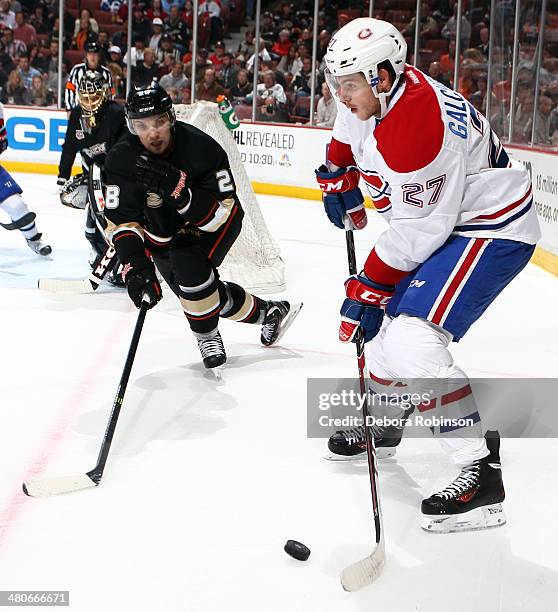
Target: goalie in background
12,203
95,124
170,192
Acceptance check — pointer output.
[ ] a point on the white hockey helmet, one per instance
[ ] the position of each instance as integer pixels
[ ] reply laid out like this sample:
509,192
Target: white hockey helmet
360,46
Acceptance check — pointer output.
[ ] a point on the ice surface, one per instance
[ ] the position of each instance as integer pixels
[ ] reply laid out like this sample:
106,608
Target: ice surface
207,480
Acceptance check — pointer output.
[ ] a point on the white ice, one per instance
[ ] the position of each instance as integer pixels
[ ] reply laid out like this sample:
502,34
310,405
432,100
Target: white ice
207,480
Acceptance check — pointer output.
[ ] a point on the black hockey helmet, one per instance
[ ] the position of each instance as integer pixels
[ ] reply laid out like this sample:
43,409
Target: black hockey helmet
92,46
92,94
148,101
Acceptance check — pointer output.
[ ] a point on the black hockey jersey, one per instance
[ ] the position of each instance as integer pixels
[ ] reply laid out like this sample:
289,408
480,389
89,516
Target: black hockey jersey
92,147
139,219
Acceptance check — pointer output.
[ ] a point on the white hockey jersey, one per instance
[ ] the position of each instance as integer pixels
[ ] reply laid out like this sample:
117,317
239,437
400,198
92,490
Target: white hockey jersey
434,168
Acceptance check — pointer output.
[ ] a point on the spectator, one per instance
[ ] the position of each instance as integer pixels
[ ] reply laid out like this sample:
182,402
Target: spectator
177,28
174,95
118,79
543,118
156,10
7,16
226,75
323,41
484,46
175,78
214,9
241,88
115,56
263,54
209,88
327,108
38,19
523,118
165,66
270,92
202,64
141,28
435,71
146,71
103,43
302,82
428,26
14,92
216,57
38,93
247,46
466,84
449,31
281,47
6,65
168,4
137,52
157,28
447,61
24,31
84,30
14,48
167,46
26,71
52,80
291,63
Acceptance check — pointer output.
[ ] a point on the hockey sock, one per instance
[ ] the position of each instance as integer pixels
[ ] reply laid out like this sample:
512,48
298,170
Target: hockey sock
17,209
239,305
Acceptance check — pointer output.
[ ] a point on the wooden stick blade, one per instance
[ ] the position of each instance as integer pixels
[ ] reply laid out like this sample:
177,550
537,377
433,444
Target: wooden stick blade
39,487
364,572
66,285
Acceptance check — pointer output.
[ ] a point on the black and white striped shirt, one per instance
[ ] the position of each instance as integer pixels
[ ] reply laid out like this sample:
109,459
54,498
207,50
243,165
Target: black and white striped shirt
74,79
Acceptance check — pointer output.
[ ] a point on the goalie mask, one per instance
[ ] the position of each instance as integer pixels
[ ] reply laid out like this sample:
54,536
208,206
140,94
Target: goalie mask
357,49
93,95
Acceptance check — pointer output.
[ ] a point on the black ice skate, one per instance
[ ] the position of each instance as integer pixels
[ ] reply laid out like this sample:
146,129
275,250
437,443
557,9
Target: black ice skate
212,351
350,444
473,500
278,318
37,246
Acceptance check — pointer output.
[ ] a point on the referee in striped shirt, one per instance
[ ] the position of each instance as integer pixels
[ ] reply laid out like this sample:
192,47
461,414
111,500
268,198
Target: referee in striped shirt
92,62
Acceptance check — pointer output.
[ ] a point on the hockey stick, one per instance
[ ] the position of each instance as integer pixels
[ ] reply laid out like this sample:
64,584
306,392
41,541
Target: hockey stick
82,285
365,571
66,484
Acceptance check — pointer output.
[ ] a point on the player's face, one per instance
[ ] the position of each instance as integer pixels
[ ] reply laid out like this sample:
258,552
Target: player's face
154,132
356,94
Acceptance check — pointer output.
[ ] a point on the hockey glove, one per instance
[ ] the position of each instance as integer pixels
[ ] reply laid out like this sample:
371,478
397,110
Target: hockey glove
342,196
163,178
140,282
3,137
364,307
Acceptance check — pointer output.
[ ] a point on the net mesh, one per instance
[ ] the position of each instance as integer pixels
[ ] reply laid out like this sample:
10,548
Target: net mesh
254,260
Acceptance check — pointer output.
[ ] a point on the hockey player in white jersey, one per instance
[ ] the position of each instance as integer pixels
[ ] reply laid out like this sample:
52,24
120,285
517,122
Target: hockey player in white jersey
461,226
14,205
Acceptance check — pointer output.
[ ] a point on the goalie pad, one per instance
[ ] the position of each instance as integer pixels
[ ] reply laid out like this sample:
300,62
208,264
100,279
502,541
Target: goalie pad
27,219
74,192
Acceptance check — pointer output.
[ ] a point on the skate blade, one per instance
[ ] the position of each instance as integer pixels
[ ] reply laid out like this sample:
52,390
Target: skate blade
381,453
288,321
485,517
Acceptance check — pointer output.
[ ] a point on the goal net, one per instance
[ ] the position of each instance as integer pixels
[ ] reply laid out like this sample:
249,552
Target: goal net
254,260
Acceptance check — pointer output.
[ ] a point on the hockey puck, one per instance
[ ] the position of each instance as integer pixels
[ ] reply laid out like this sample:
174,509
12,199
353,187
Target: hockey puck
297,550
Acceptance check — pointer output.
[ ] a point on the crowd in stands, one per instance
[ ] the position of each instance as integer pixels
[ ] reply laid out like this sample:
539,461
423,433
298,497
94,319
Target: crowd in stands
162,49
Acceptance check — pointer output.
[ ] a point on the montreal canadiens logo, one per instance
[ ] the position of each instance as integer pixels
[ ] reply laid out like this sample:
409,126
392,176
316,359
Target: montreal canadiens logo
364,34
378,188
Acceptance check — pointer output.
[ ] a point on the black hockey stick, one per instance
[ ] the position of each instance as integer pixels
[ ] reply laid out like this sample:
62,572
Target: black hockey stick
66,484
364,572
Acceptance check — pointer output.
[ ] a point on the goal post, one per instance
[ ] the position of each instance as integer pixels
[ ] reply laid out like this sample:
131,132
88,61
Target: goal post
254,260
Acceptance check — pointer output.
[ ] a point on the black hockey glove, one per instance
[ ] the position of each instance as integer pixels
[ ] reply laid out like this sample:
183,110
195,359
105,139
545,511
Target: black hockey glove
166,180
140,282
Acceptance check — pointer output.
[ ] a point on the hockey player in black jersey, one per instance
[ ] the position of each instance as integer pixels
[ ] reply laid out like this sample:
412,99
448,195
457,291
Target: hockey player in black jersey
170,191
94,126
